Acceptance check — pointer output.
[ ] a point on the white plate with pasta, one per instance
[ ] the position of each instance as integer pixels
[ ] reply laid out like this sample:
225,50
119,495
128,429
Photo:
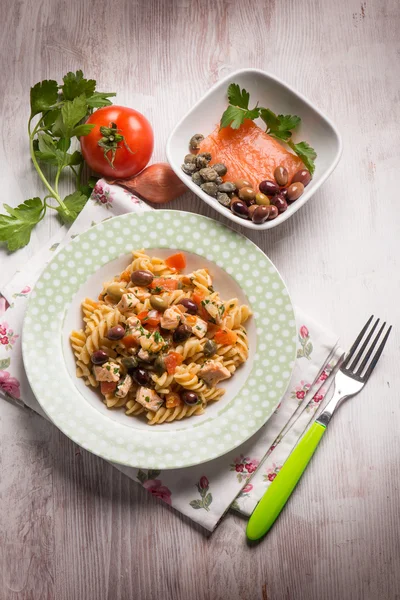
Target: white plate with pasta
159,340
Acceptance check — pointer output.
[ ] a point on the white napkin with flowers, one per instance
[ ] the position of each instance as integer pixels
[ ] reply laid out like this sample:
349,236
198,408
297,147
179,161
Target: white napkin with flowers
236,480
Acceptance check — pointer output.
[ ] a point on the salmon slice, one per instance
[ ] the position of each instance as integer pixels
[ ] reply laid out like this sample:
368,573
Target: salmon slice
249,153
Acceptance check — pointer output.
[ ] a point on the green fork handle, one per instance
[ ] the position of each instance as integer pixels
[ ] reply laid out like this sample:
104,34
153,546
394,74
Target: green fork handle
275,498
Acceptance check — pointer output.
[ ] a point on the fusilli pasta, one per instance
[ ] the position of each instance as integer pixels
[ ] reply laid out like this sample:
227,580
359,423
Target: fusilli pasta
164,362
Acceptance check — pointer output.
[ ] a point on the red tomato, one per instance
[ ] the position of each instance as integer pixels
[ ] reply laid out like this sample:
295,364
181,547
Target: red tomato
176,261
130,341
226,337
107,387
171,361
164,284
127,139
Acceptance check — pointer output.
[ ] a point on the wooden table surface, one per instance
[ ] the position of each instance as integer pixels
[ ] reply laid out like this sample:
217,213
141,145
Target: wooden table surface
71,526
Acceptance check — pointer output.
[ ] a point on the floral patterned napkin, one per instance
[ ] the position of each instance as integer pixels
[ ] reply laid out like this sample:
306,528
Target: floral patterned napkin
238,479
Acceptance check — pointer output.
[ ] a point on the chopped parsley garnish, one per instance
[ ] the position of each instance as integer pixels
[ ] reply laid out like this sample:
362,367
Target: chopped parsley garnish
116,371
108,368
157,290
231,305
158,337
147,398
221,309
197,327
212,320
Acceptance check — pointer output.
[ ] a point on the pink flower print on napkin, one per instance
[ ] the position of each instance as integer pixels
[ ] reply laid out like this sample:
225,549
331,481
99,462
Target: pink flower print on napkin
7,336
205,496
101,196
155,487
23,293
300,391
3,305
244,467
9,385
272,472
306,346
247,488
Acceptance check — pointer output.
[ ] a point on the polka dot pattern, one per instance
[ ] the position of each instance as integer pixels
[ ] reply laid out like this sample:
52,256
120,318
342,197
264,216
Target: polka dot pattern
194,442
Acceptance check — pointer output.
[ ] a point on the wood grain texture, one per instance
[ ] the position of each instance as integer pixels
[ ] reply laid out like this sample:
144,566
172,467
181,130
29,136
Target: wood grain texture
71,526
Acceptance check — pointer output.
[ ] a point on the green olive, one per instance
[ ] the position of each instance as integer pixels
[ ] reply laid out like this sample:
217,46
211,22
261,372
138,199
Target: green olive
262,199
158,303
116,289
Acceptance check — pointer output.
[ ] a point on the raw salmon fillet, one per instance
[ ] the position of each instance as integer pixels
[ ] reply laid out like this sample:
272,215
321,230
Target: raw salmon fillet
249,153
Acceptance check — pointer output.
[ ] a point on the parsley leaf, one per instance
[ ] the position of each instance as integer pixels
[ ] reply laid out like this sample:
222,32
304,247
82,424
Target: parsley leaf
238,109
72,112
75,85
43,96
279,126
306,153
99,99
74,203
16,228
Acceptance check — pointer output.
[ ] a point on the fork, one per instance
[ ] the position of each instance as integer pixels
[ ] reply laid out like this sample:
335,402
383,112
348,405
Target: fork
350,379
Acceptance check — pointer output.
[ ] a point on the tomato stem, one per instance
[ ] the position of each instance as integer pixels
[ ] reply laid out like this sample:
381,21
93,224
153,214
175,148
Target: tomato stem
110,140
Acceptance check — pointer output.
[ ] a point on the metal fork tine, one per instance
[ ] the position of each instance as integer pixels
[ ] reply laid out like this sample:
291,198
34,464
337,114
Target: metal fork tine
377,355
355,345
370,351
361,352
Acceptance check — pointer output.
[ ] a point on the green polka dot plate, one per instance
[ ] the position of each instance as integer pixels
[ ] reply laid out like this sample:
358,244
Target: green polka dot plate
239,269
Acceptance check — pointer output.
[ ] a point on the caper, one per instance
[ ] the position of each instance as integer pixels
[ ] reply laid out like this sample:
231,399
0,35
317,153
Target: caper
195,140
129,362
189,158
158,303
159,365
281,175
240,183
294,191
220,168
116,289
208,174
218,180
262,199
210,188
189,168
202,160
197,178
223,199
228,187
247,194
210,348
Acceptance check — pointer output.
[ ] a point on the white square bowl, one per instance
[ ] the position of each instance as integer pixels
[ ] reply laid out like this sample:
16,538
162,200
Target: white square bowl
273,93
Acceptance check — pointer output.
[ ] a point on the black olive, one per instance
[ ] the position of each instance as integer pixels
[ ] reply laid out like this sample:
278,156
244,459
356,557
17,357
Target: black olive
189,305
99,357
189,398
116,333
141,376
182,333
142,277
